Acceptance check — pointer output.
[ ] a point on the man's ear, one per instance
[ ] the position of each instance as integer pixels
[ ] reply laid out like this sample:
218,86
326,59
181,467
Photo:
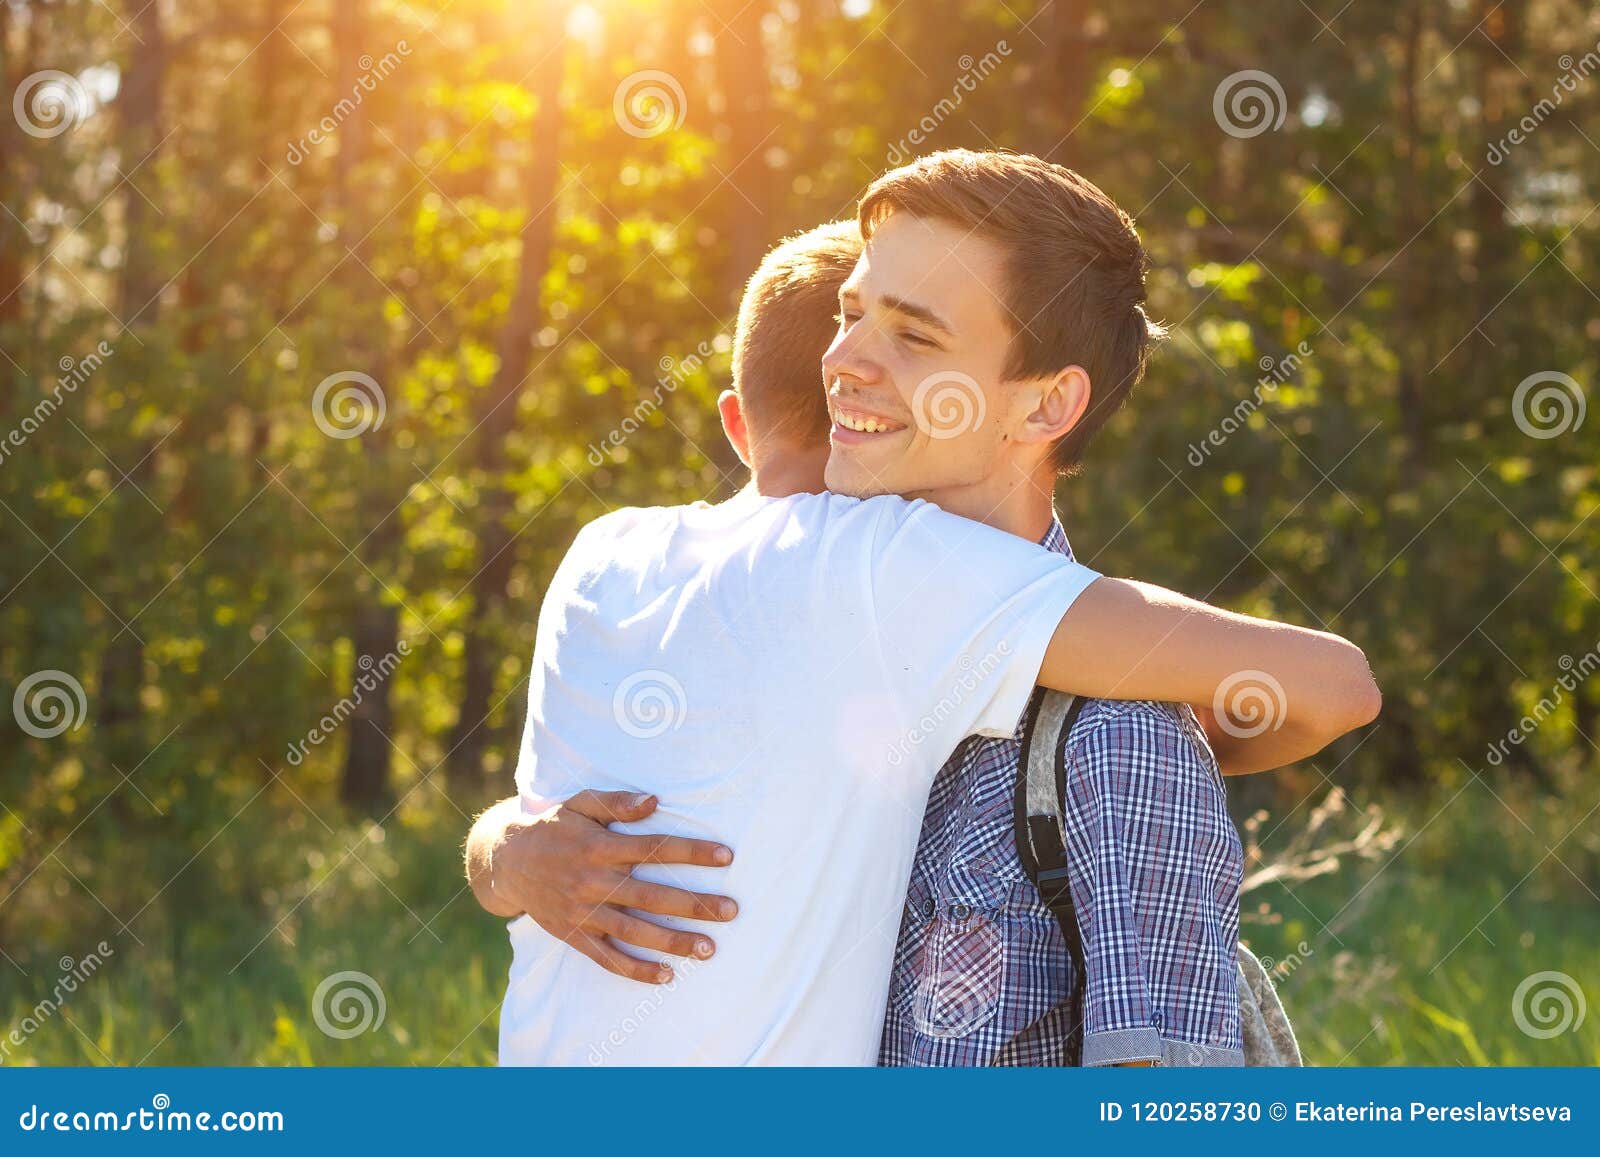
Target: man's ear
733,424
1059,404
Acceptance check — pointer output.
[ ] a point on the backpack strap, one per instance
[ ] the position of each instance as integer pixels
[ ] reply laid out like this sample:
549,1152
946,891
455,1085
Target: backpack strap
1269,1038
1040,796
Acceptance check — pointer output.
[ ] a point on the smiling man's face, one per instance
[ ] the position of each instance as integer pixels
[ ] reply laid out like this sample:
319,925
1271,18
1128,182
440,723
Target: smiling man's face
915,373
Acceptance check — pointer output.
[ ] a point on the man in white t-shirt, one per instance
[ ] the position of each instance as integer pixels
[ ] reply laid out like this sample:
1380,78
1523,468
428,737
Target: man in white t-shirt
788,673
841,649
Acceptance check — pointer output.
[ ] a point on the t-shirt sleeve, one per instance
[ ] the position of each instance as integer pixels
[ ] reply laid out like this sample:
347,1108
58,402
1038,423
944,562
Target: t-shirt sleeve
963,615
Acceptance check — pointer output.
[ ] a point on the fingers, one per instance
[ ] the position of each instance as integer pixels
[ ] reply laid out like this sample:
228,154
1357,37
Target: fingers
609,957
624,929
664,900
658,849
610,807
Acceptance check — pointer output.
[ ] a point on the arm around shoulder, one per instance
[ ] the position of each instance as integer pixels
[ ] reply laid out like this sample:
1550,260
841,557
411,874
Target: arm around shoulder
1129,640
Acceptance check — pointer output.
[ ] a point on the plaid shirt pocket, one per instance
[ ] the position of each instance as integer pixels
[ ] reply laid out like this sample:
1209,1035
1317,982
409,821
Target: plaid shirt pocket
957,987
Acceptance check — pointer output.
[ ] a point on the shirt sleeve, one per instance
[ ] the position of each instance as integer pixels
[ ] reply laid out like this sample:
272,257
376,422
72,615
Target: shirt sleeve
1156,871
963,614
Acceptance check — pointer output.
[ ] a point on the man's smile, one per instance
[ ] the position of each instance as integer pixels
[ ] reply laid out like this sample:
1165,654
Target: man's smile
853,427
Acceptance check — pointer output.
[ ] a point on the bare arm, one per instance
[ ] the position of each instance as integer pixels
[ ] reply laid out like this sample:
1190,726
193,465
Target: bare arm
573,876
1279,692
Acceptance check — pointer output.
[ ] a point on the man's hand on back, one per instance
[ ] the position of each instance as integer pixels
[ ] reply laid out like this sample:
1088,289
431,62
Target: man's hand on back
573,875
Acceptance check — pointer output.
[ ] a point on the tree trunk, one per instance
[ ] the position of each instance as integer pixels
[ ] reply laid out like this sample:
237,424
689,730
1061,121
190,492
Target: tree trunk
741,61
494,562
1416,293
1065,81
119,712
375,627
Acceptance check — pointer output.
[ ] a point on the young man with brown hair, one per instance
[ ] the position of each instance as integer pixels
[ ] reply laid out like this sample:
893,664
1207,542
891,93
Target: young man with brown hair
947,383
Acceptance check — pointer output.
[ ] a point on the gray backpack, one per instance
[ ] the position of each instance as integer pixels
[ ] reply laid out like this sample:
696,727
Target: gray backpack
1040,812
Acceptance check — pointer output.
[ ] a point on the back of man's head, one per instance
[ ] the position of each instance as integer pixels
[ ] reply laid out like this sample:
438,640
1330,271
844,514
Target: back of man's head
786,323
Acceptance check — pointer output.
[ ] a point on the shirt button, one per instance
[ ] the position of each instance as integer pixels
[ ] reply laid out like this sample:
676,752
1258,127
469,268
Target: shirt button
959,911
1155,1020
928,907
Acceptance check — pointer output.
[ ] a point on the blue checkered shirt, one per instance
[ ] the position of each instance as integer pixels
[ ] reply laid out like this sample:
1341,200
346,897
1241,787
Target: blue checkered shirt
982,975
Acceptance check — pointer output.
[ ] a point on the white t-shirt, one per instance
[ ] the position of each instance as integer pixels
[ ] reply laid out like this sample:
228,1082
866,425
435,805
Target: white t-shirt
786,675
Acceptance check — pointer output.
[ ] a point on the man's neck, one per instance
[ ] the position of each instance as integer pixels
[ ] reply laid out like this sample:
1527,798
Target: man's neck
1018,504
1015,502
790,473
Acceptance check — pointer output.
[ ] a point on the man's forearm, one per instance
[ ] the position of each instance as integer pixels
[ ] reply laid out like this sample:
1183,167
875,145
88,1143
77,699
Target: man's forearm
1281,692
488,834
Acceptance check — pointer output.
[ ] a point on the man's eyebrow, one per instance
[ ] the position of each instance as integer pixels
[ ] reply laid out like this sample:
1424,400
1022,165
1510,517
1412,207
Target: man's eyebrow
921,312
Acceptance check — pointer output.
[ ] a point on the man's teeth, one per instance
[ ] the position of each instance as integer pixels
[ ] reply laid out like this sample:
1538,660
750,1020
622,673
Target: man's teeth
863,424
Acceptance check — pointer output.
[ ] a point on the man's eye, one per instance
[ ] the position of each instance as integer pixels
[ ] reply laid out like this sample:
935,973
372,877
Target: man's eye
916,339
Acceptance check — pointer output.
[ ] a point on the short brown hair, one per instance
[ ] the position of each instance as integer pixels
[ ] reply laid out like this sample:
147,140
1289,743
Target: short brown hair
786,323
1074,264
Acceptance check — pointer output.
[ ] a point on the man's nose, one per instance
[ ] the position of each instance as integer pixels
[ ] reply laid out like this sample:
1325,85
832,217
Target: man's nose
848,357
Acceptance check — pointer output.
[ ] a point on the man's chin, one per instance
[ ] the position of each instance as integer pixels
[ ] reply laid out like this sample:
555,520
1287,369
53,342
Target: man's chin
849,479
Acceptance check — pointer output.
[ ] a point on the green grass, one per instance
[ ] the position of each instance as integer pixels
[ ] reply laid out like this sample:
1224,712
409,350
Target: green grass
1416,958
1411,959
